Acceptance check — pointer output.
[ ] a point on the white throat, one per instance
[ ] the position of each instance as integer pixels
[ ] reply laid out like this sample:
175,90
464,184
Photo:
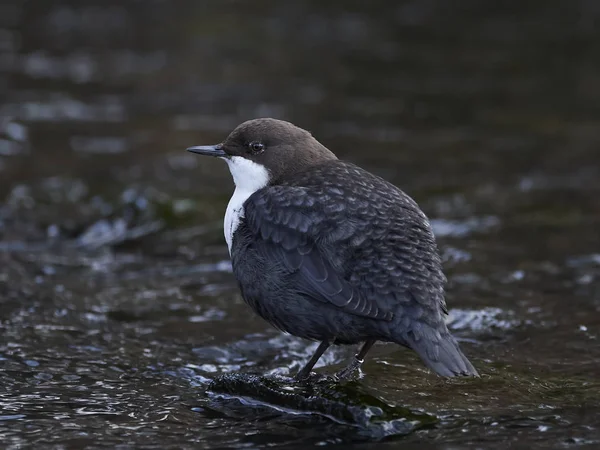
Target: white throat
248,177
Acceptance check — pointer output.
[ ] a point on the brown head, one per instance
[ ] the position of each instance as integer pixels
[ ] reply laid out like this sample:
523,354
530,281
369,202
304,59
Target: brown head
263,152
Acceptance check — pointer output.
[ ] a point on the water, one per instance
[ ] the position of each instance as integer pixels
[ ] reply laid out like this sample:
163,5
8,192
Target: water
120,321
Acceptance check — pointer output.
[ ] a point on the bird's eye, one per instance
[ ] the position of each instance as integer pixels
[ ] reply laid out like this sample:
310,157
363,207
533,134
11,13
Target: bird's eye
256,147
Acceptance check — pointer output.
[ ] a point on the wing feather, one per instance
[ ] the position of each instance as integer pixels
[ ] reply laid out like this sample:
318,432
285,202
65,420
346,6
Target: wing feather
370,253
285,237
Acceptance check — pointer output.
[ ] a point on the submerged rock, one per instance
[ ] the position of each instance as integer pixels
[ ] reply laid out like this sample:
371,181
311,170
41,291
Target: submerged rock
256,397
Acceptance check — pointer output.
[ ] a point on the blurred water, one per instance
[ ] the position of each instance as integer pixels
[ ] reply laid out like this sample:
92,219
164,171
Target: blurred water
120,320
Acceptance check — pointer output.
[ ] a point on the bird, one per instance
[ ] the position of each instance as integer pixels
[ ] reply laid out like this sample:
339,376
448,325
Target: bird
329,252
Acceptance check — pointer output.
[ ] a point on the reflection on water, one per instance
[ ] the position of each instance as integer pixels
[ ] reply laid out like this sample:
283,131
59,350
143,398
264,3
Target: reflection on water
120,321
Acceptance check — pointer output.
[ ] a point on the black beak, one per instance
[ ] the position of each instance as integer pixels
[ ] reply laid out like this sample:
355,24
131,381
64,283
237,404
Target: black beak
209,150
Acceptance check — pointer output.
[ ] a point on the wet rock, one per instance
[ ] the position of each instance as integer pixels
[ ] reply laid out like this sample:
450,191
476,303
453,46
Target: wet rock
253,396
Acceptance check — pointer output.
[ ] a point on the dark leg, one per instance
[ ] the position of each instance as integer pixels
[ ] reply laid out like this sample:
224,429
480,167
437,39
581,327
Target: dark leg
356,362
305,371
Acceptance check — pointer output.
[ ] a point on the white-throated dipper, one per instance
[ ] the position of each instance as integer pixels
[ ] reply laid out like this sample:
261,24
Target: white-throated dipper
327,251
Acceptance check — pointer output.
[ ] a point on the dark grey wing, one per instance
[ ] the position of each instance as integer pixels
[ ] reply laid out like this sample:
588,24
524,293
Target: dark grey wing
351,239
285,220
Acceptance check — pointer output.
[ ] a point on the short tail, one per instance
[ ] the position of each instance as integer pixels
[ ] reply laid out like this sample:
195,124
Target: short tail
439,351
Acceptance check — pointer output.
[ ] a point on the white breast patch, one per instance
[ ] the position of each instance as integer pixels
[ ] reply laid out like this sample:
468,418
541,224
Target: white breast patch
248,177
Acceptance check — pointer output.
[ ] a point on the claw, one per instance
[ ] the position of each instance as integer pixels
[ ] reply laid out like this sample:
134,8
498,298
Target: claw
316,378
347,372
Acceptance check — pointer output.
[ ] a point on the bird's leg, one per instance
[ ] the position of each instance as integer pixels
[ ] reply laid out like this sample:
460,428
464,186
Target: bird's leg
356,362
305,371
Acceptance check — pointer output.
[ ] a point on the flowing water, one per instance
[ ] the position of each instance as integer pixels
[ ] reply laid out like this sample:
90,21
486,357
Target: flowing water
121,325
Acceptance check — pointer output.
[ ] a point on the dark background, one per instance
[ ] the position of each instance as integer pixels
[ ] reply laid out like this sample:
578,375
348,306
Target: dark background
117,305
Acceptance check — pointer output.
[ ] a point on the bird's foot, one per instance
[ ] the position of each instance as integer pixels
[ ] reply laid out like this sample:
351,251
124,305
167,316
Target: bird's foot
303,375
315,378
347,372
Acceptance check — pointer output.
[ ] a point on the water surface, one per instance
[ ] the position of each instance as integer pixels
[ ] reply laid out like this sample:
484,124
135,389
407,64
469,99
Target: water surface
120,320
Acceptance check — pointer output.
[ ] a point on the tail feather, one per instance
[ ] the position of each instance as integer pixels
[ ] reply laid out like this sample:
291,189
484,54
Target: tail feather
440,352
